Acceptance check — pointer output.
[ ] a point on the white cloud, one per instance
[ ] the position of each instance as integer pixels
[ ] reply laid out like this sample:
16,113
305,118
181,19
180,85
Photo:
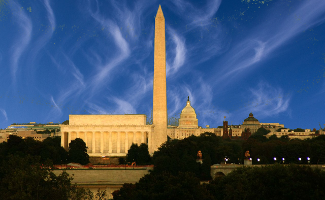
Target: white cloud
4,113
179,51
174,102
204,18
25,29
50,15
101,76
95,109
267,37
266,101
123,107
55,112
198,16
244,56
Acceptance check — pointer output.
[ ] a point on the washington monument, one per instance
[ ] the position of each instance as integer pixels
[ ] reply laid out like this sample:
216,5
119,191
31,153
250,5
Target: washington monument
159,135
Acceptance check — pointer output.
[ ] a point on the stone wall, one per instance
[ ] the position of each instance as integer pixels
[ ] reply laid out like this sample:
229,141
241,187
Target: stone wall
109,179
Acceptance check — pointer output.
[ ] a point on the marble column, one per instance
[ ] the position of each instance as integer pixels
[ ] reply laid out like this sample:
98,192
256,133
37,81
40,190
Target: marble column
133,140
118,143
142,137
126,142
110,142
62,139
69,138
93,143
101,142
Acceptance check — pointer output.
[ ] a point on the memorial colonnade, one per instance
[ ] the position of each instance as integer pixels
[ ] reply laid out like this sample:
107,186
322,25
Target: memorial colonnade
108,141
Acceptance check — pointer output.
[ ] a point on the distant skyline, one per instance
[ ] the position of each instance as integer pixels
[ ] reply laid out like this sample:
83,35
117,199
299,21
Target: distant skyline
230,57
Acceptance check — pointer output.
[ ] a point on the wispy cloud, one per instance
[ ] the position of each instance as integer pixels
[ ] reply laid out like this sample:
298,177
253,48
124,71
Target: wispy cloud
266,100
50,15
175,99
198,16
55,112
4,113
248,53
200,97
179,51
42,40
123,107
204,17
25,29
101,77
130,19
269,36
75,87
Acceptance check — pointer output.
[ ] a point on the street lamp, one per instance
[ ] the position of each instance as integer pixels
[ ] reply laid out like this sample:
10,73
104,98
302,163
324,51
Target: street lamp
274,158
308,160
258,160
299,159
283,159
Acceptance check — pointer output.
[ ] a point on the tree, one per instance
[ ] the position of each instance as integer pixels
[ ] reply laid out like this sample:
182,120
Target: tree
78,152
143,156
271,182
164,186
138,154
279,129
299,130
132,155
52,149
16,145
261,131
66,122
273,137
25,178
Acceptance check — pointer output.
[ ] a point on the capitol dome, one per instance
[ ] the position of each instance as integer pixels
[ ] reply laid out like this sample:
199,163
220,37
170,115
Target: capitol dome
188,117
250,118
188,109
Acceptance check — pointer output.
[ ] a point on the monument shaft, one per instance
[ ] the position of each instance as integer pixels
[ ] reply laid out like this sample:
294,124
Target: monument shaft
159,84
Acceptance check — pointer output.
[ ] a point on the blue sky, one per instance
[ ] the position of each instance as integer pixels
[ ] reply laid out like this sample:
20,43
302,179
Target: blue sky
96,57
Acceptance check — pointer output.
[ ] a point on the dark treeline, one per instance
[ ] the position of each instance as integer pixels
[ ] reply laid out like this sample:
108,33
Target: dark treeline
271,182
177,174
26,170
274,149
48,149
138,154
268,183
181,155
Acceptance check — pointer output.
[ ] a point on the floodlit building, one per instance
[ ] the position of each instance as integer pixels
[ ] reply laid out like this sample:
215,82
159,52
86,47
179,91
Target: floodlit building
188,124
